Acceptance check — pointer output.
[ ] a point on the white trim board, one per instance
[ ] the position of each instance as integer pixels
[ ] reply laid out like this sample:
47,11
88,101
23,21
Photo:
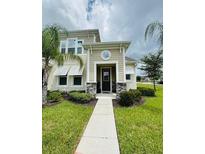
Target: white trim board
105,62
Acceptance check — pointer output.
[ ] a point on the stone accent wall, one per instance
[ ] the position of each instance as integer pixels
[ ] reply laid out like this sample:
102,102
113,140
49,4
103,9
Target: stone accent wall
91,88
120,87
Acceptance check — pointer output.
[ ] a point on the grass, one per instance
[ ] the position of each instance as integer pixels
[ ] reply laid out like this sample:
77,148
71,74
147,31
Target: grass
140,128
63,125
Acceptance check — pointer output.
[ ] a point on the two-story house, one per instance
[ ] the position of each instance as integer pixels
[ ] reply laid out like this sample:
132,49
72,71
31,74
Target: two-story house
106,69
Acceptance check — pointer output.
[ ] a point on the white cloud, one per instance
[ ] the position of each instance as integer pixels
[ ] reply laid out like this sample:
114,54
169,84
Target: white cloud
116,19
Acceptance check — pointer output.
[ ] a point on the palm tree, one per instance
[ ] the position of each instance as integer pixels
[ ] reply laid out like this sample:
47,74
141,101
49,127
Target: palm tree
155,28
50,52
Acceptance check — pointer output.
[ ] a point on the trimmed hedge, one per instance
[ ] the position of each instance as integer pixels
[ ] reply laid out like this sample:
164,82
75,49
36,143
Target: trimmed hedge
146,91
129,98
80,97
54,96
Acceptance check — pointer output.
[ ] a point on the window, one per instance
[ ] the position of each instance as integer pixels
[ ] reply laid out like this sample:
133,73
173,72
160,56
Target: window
128,76
105,55
80,47
71,46
105,76
71,42
63,50
71,50
62,80
77,80
79,50
80,42
63,46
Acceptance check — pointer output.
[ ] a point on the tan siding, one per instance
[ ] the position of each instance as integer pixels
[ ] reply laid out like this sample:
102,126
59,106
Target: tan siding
53,80
86,39
131,84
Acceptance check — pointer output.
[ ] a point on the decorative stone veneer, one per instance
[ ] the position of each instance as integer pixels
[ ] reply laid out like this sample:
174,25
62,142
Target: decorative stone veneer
120,87
91,88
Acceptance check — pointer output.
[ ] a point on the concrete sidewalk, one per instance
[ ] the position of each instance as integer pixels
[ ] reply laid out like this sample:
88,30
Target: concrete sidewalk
100,135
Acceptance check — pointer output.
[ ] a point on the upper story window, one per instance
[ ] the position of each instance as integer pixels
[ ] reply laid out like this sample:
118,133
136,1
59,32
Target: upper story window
71,50
79,50
63,47
72,45
80,42
71,42
80,47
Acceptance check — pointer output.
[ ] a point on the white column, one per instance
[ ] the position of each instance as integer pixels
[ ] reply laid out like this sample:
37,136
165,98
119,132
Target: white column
88,65
123,54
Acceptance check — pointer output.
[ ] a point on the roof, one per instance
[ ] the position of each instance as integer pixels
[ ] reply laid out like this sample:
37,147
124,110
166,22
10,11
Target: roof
129,59
107,45
85,32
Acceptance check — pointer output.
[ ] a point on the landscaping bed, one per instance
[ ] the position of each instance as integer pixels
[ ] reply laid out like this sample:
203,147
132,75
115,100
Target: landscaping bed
77,97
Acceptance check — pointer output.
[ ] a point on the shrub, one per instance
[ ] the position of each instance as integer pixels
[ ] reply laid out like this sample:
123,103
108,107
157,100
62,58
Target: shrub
54,96
126,98
136,94
160,82
138,78
80,97
129,98
146,91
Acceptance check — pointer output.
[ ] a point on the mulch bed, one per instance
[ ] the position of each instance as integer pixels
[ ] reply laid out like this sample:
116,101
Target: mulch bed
116,104
50,103
91,103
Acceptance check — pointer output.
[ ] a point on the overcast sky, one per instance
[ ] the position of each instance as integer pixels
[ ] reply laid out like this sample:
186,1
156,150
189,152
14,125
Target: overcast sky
116,20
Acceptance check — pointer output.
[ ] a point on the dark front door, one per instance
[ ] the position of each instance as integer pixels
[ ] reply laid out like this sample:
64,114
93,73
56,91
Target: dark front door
106,79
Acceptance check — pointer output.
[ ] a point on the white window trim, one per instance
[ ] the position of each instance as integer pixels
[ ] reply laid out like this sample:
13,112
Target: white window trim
75,38
80,46
61,45
75,46
105,58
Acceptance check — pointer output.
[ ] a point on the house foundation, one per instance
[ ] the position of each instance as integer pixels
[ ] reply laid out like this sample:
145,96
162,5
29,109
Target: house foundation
91,88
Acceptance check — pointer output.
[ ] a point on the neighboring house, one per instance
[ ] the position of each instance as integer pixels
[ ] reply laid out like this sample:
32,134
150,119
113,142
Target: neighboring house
106,68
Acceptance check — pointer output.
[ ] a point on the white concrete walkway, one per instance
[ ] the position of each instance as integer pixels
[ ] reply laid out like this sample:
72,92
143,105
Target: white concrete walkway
100,136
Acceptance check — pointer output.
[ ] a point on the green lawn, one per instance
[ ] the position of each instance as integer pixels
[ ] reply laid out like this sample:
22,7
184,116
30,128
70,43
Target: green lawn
139,128
63,125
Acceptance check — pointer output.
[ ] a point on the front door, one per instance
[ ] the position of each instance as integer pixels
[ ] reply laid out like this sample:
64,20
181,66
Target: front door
105,79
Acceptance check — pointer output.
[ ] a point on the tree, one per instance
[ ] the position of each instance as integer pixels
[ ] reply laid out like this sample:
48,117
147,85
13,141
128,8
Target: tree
50,52
155,28
152,65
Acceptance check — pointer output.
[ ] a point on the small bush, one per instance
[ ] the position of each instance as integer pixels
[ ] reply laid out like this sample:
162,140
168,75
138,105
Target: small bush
126,98
160,82
146,91
139,78
54,96
80,97
129,98
136,94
